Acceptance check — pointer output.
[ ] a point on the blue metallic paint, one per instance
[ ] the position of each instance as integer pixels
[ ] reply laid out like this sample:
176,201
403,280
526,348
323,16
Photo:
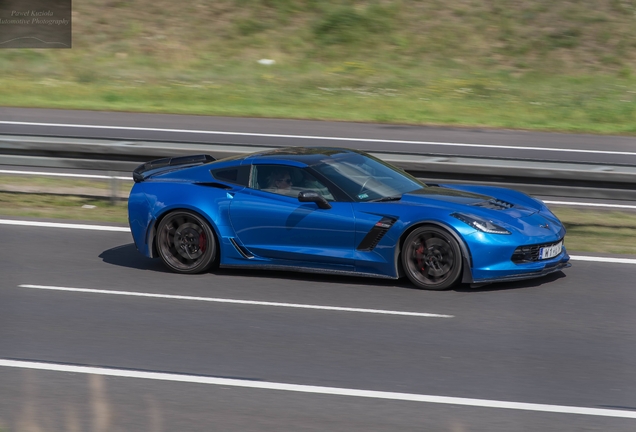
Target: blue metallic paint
281,232
290,230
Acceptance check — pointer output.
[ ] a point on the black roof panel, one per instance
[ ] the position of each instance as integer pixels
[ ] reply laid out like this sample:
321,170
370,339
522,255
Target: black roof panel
306,155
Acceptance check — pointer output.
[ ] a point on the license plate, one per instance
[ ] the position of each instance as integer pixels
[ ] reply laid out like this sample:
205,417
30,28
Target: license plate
550,251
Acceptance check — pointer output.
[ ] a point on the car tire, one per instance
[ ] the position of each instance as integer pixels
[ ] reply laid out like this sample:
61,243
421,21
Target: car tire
431,258
186,243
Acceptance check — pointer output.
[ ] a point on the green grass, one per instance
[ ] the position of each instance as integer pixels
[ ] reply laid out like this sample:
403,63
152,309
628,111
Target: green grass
59,182
538,65
599,231
57,185
62,207
591,104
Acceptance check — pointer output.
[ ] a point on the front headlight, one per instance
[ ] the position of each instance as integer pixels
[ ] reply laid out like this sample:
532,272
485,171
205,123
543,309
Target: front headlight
480,224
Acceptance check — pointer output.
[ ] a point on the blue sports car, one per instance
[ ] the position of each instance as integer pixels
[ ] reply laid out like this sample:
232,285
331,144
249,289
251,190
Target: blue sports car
333,210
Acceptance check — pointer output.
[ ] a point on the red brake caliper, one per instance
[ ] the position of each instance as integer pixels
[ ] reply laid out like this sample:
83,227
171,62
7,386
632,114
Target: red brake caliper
202,242
419,254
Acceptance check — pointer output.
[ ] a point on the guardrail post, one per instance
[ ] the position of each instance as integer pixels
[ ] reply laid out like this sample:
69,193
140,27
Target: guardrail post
114,187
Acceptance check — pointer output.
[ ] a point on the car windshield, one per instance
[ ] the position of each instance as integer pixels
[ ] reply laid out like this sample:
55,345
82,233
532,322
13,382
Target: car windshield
365,178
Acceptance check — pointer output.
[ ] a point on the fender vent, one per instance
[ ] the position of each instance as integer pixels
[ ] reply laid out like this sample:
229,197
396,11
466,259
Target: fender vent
373,237
244,252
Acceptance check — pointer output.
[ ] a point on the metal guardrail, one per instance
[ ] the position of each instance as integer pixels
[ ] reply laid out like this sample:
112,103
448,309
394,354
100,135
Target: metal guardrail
547,178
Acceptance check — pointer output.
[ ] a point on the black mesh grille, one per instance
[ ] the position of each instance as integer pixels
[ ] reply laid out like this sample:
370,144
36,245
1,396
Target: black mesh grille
377,238
530,253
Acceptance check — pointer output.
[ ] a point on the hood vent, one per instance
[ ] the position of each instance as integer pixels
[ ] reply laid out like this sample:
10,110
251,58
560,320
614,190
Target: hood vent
495,204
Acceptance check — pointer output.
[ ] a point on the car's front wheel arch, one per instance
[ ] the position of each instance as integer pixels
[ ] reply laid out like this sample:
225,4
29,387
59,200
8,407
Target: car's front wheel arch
466,257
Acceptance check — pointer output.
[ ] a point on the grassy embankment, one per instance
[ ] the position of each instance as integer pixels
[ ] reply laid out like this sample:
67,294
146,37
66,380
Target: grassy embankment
535,65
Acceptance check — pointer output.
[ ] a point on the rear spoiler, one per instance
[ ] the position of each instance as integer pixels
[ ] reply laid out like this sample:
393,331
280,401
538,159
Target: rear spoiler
145,170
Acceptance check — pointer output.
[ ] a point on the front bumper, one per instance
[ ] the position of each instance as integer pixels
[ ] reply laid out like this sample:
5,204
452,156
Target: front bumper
492,258
522,276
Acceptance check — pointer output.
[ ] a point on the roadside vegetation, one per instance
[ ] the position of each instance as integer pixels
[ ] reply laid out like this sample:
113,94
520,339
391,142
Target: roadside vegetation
598,231
66,207
56,185
538,64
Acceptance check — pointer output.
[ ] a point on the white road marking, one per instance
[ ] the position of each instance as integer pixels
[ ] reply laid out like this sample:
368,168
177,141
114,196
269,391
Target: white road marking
336,391
244,302
63,225
584,204
603,259
56,174
313,137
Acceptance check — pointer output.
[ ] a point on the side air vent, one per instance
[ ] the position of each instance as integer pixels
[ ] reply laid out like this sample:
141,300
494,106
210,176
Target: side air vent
214,185
495,204
244,252
373,237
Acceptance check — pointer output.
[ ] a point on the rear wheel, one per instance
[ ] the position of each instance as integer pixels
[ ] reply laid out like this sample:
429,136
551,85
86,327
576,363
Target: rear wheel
186,242
431,258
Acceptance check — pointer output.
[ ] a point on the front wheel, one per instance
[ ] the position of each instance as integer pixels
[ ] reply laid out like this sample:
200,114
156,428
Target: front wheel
431,258
186,242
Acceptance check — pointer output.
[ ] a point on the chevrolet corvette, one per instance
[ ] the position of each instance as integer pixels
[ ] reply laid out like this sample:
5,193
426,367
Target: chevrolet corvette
340,211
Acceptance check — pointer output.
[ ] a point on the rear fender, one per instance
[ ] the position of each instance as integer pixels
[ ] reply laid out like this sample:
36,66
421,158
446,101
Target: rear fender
152,232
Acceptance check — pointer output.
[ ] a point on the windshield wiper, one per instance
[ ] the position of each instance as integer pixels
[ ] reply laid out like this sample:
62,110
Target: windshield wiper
389,198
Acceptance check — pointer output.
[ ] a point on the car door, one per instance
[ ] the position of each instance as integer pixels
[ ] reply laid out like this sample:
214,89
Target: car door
272,223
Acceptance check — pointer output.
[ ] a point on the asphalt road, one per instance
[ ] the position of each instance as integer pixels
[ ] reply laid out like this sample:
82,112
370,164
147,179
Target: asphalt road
597,149
568,339
565,340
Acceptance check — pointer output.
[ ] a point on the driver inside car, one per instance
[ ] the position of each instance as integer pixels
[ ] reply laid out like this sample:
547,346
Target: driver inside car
280,182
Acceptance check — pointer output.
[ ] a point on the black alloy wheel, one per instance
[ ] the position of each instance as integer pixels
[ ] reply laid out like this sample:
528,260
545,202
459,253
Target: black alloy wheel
431,258
186,242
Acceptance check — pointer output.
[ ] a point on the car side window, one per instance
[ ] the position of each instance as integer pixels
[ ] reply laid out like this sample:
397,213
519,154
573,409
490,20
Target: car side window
237,175
286,180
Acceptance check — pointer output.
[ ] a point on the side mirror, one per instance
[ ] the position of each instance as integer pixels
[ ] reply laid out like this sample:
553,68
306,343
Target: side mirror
314,197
